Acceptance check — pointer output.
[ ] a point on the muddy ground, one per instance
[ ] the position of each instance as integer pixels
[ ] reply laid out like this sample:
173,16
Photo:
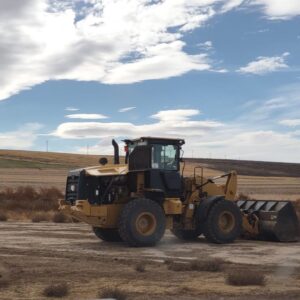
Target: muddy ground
34,255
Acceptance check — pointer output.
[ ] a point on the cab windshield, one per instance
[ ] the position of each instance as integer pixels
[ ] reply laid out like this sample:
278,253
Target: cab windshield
164,157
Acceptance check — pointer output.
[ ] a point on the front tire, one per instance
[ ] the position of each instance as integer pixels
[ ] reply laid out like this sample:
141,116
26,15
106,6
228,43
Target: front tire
142,223
223,223
107,234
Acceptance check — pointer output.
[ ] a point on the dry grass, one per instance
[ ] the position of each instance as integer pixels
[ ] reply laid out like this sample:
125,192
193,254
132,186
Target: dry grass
27,198
140,267
4,279
210,265
60,217
245,278
25,202
56,290
243,196
41,217
113,293
168,261
3,217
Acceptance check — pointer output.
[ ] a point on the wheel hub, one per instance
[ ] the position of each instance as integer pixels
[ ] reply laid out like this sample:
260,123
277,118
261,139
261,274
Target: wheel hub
226,221
145,223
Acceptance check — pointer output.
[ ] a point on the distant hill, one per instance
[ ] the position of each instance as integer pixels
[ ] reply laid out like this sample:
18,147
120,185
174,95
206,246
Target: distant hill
53,160
41,160
250,168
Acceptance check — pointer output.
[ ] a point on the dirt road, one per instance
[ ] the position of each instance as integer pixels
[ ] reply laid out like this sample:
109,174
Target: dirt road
34,255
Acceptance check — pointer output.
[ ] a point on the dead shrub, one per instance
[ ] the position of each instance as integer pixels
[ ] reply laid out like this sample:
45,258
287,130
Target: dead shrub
242,196
113,293
40,217
3,217
140,267
168,261
245,278
4,279
176,266
210,265
73,220
26,200
56,290
60,217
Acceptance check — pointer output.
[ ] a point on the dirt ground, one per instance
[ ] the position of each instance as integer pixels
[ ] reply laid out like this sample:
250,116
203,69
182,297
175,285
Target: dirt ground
34,255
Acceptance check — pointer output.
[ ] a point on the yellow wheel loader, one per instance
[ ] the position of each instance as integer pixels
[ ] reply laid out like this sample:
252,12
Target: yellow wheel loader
137,201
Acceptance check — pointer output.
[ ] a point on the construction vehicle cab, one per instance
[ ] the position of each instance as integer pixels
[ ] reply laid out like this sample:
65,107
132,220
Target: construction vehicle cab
159,161
137,201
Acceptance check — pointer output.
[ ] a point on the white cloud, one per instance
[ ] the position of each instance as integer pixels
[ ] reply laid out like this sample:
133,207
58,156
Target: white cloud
160,61
249,136
86,116
71,108
22,138
279,9
290,122
263,65
125,109
267,145
231,4
103,147
171,123
175,114
120,41
208,45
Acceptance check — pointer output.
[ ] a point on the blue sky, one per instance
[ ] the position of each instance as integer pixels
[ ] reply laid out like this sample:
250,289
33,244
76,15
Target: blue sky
224,75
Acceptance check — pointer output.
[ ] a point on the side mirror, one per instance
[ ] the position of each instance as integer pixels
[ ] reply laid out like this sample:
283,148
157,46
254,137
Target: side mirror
103,161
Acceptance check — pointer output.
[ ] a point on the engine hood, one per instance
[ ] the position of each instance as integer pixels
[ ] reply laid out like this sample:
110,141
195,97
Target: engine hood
107,170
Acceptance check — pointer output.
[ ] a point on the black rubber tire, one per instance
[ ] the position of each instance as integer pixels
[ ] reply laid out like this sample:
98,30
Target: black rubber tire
186,235
107,234
129,216
212,232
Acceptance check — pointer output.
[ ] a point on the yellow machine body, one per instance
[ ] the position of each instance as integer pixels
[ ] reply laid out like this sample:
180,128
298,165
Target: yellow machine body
107,215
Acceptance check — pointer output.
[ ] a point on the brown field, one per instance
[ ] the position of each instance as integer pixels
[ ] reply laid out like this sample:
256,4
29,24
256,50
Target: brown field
38,259
261,180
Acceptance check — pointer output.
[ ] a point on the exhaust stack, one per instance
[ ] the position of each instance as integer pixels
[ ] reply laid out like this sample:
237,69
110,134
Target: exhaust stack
116,152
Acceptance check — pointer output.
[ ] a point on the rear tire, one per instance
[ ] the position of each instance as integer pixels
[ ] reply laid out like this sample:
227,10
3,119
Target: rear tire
142,223
223,223
107,234
186,235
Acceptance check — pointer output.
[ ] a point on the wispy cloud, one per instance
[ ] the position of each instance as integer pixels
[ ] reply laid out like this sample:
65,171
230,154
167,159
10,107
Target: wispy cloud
86,116
249,136
71,108
263,65
22,138
208,45
169,123
125,109
290,122
278,9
